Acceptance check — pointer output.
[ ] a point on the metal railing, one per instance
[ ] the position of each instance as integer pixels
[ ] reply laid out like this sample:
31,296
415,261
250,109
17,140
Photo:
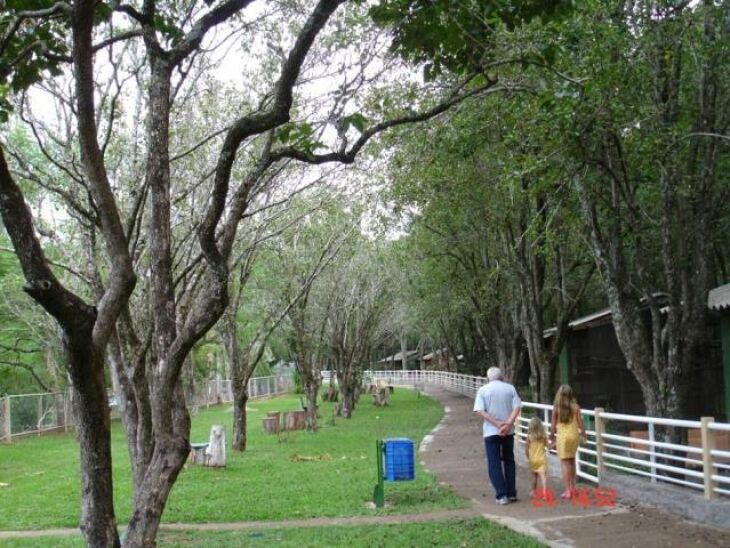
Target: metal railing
631,444
28,414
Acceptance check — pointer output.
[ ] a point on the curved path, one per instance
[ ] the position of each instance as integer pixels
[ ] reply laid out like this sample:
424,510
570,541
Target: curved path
454,452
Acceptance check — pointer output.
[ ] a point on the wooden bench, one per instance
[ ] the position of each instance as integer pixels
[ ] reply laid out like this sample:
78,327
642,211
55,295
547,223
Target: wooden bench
198,453
212,453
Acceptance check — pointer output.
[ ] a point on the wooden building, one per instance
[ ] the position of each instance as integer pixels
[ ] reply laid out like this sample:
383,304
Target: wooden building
593,364
395,361
718,301
440,360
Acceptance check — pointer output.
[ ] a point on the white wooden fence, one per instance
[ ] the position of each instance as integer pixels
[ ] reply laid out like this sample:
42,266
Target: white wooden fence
631,444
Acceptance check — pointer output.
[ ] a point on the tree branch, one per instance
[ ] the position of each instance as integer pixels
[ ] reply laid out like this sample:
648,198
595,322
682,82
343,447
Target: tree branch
348,157
121,279
41,284
216,16
248,126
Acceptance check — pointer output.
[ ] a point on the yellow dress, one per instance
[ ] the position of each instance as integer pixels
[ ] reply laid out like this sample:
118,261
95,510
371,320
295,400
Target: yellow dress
536,456
566,440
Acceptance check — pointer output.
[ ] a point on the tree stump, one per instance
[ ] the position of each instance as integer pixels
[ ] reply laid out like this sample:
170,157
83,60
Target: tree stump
216,450
271,423
296,420
381,398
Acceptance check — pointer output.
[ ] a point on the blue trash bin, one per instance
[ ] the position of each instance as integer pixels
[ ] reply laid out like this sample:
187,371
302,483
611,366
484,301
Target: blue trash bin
398,459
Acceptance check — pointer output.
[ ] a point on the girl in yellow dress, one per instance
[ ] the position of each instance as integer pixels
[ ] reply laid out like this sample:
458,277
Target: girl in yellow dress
566,427
535,453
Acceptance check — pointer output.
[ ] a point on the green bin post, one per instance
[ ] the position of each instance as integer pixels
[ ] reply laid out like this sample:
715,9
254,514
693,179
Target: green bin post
379,492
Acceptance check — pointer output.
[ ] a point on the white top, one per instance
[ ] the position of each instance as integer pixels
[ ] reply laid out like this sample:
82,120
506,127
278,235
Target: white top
498,398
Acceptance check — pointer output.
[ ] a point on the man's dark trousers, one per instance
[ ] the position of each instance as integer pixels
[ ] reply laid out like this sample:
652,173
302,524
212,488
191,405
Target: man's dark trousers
501,464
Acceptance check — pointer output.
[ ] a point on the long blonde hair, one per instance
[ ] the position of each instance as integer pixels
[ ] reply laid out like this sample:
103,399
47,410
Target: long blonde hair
536,430
564,404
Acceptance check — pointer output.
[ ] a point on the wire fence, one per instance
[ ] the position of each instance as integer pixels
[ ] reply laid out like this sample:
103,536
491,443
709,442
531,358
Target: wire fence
26,414
221,390
630,444
35,414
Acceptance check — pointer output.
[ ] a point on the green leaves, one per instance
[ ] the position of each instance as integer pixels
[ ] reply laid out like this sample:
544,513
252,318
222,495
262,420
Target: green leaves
300,135
167,27
31,50
458,36
356,120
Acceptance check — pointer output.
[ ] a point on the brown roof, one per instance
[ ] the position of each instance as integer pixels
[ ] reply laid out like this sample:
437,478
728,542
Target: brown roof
398,356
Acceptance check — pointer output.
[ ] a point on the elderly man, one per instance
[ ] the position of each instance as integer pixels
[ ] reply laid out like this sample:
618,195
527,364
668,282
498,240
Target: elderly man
498,404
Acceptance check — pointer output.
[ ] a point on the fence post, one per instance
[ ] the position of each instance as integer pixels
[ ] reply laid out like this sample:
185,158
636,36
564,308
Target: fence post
600,428
652,455
40,414
66,410
8,423
708,444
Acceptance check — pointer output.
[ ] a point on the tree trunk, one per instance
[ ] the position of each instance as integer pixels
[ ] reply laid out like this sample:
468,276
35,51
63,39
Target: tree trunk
98,524
168,458
349,403
240,398
403,352
311,389
85,360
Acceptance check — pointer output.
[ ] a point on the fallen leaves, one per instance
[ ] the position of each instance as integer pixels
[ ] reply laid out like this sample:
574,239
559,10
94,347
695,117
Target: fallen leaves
310,458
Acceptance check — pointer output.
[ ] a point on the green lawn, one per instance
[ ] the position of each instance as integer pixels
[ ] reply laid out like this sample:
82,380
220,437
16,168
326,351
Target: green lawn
267,482
474,532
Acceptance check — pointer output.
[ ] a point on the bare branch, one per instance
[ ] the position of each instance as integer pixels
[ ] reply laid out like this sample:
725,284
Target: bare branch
216,16
118,38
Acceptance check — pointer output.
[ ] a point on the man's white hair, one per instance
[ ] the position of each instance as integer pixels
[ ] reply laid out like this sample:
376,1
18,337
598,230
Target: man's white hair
494,374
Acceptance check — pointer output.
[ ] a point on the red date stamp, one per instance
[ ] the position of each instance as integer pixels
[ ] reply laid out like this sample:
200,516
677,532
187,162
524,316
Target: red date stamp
582,497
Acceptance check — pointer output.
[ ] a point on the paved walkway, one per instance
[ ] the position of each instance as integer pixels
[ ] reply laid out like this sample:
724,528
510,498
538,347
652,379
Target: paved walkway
455,454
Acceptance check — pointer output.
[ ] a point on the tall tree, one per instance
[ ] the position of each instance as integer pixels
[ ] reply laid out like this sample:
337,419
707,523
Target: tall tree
358,286
651,181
